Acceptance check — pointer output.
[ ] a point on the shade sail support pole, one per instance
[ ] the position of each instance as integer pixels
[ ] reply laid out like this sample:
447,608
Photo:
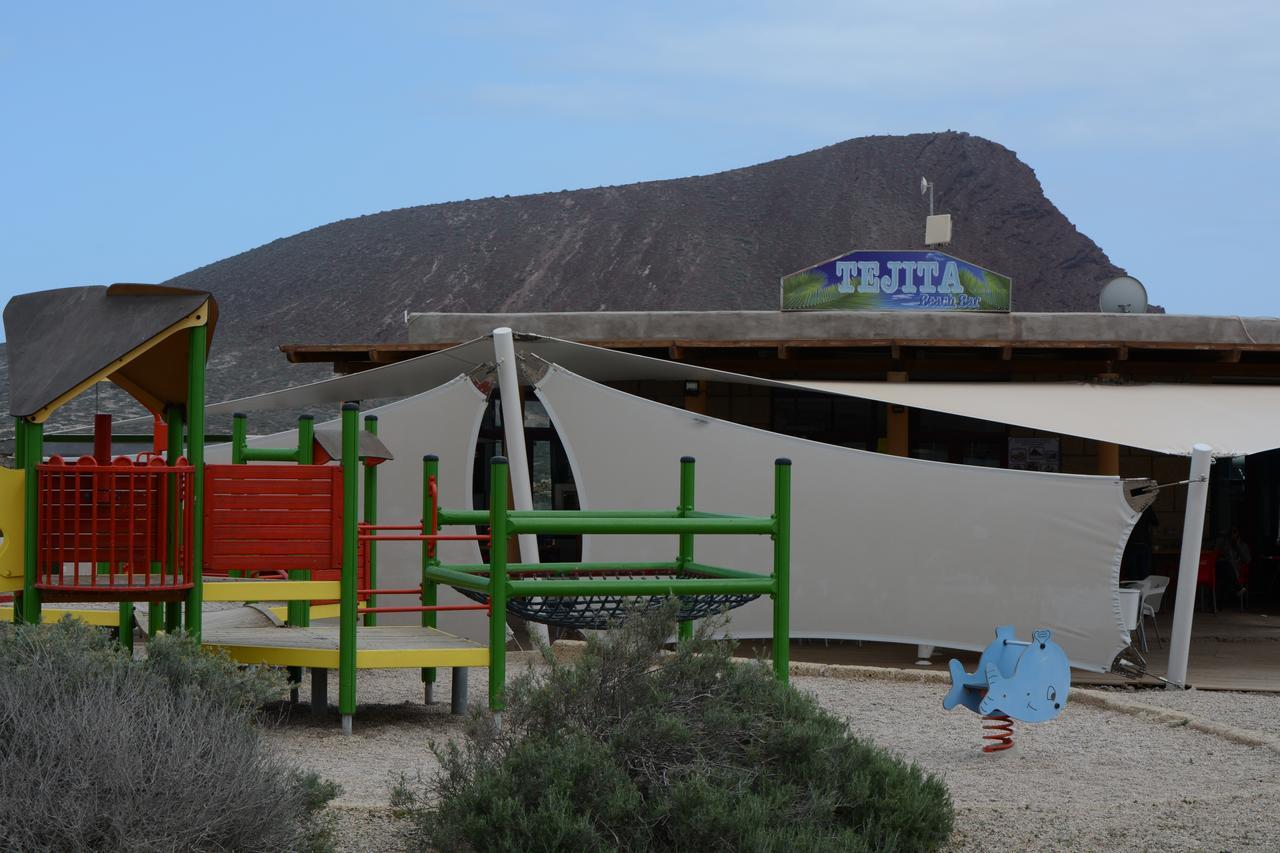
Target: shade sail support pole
504,351
1189,564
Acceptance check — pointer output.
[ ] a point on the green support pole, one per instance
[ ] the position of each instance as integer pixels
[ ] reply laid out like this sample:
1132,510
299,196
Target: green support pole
685,558
297,613
307,440
34,453
347,606
371,517
126,626
19,459
430,589
155,617
782,569
239,437
498,476
199,345
173,610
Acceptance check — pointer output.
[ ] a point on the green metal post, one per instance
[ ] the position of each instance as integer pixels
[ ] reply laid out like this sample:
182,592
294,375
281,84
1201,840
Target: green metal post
782,568
371,517
306,439
19,459
173,610
126,626
239,437
430,559
347,606
195,456
685,558
155,617
498,476
298,613
34,454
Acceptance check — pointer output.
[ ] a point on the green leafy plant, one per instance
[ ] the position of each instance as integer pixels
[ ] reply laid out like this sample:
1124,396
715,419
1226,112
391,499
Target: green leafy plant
632,748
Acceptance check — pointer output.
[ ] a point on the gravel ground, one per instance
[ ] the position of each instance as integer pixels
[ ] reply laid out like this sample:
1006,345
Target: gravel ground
1258,712
1098,777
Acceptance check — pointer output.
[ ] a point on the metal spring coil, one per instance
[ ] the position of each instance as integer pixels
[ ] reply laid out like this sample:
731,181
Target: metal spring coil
997,728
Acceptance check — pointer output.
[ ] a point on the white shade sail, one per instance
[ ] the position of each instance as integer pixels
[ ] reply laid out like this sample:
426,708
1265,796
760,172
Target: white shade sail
430,369
1234,420
444,421
883,548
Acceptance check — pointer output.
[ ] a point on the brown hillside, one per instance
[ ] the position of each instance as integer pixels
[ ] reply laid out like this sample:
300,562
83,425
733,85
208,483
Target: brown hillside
711,242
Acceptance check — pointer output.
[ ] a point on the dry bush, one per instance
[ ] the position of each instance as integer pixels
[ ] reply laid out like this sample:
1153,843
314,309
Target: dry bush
102,752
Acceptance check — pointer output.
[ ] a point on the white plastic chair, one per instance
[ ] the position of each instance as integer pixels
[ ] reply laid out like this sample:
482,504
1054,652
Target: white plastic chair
1131,610
1152,596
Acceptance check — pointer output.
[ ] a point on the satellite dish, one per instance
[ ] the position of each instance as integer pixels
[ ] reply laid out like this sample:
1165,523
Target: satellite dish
1123,295
924,186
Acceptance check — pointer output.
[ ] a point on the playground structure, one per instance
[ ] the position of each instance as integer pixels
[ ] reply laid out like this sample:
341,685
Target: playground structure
1015,680
564,590
286,524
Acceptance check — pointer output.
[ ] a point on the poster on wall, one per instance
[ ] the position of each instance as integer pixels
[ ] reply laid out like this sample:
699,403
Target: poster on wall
895,281
1034,454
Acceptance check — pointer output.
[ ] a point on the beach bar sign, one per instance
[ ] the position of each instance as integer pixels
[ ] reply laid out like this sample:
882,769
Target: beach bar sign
895,281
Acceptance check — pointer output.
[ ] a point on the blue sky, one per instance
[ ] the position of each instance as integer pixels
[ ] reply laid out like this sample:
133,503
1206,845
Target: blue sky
141,140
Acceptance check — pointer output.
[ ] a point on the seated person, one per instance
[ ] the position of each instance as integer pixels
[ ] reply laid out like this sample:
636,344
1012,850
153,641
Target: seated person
1135,564
1234,557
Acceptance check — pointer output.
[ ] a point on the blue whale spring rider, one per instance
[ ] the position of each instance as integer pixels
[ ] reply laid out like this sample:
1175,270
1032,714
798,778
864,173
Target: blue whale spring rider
1015,679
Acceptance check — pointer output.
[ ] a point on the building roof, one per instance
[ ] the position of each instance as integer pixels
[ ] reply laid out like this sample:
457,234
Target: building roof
854,343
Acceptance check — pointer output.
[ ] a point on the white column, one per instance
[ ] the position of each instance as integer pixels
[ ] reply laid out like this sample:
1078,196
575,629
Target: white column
1189,564
504,351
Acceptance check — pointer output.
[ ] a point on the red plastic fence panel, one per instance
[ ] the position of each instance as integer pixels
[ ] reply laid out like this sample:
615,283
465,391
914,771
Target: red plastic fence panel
273,518
104,529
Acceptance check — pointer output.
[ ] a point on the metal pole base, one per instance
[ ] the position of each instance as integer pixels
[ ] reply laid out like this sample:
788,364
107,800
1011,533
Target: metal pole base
428,693
346,724
319,690
293,695
497,721
458,699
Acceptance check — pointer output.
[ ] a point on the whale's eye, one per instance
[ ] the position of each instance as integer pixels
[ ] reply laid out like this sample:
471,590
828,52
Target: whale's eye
1051,694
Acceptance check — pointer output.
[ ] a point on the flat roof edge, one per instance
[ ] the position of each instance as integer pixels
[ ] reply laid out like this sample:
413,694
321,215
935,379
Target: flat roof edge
773,326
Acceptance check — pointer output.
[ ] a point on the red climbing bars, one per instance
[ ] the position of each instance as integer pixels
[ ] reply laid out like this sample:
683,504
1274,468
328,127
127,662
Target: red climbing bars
104,531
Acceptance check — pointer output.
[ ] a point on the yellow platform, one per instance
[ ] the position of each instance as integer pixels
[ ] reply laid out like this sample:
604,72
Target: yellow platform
103,618
390,647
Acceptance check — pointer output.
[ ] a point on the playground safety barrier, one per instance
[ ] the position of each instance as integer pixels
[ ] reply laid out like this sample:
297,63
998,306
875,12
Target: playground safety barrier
106,530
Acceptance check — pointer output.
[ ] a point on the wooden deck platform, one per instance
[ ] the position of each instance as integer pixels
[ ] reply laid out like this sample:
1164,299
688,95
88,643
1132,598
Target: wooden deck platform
390,647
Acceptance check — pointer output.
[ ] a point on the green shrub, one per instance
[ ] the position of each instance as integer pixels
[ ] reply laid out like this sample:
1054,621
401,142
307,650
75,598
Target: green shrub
102,752
195,674
631,748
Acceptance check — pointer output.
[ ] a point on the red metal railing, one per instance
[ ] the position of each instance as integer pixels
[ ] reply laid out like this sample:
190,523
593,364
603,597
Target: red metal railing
367,533
104,530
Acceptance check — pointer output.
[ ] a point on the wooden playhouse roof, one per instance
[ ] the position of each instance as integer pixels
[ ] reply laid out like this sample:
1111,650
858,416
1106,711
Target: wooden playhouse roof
61,342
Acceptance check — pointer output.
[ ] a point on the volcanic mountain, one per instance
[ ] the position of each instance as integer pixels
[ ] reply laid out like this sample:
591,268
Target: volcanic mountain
718,241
